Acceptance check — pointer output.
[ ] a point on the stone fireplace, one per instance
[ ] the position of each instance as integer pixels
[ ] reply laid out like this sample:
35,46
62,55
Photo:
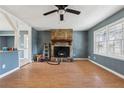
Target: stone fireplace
61,43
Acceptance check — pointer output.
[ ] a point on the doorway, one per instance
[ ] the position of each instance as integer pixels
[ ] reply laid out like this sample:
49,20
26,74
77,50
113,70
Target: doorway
23,48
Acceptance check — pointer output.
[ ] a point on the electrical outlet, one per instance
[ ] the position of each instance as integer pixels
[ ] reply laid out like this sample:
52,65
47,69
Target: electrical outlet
3,66
74,54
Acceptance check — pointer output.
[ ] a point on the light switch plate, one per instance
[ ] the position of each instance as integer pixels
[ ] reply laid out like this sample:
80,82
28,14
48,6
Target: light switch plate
3,66
89,57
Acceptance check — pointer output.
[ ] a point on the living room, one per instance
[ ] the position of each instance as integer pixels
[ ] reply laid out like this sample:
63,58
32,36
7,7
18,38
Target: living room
40,48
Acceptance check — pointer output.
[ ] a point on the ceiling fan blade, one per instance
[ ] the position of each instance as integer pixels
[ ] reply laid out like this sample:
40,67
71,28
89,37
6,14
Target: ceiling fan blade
61,17
50,12
73,11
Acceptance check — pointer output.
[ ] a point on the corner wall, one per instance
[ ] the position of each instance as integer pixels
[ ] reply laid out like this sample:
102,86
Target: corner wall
80,44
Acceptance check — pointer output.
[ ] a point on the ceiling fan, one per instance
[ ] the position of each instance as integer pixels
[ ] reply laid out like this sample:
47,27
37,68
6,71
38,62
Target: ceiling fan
61,10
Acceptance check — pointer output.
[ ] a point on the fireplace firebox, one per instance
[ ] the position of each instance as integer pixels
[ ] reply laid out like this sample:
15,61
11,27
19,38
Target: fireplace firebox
61,51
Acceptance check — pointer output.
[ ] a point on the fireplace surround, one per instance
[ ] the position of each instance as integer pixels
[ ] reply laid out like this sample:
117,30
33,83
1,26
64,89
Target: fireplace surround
61,46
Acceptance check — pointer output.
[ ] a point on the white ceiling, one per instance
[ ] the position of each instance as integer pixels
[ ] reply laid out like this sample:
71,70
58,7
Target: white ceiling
89,17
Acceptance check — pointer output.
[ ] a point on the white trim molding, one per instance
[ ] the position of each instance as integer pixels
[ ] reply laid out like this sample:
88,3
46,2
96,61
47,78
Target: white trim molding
110,70
9,72
80,58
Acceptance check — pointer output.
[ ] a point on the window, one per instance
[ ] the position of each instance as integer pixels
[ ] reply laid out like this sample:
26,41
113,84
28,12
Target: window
115,39
100,41
109,41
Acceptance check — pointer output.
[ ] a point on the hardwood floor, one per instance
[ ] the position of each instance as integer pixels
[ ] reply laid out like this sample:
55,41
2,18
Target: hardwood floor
77,74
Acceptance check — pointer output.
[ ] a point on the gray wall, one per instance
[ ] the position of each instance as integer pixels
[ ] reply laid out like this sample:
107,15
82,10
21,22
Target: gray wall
114,64
42,37
10,41
6,41
3,42
80,44
34,42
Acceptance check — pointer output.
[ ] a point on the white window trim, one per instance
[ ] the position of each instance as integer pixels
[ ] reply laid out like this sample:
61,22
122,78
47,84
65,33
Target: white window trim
106,53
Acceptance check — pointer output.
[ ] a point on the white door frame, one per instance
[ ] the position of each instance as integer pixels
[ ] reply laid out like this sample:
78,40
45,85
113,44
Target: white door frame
29,45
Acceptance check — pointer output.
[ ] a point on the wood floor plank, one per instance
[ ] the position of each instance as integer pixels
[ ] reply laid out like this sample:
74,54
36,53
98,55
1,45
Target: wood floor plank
79,74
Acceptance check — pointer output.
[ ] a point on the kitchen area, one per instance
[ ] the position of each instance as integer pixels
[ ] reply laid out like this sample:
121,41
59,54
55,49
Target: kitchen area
9,59
15,43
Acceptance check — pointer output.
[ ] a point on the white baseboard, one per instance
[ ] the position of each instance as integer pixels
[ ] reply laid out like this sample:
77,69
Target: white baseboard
80,58
114,72
9,72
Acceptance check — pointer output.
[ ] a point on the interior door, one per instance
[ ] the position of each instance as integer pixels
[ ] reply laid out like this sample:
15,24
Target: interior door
23,48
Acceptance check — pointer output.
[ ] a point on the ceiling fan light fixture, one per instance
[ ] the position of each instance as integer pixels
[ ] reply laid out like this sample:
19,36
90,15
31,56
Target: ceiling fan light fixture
62,9
61,12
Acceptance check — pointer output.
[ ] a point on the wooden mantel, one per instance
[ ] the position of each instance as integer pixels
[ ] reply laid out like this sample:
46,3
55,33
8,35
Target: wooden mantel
61,36
62,41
